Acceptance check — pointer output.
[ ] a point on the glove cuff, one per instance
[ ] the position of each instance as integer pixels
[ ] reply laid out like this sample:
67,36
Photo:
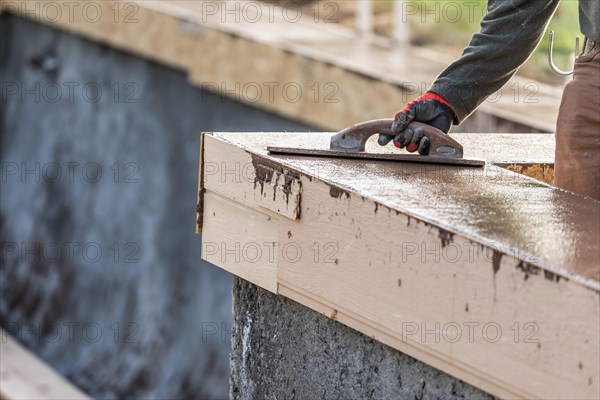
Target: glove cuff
435,96
429,96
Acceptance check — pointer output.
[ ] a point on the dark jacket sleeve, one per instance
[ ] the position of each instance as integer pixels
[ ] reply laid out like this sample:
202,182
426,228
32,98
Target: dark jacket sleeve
510,32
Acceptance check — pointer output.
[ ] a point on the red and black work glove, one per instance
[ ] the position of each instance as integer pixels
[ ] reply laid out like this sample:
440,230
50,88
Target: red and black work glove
430,109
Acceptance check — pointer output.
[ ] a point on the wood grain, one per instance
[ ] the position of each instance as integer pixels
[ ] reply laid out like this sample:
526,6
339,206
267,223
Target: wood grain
24,376
241,241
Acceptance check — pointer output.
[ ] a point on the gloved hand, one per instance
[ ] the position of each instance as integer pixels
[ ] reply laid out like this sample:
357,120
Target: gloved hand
430,109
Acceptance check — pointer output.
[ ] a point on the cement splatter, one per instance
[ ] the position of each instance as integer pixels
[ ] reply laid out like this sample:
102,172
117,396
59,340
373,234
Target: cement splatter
338,193
446,237
496,258
551,276
269,172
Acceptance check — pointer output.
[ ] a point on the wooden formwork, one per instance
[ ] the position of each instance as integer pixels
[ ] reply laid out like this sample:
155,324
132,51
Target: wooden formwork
485,274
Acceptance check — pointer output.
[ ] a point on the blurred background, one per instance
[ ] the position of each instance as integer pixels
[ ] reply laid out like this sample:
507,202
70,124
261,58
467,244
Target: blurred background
100,271
447,31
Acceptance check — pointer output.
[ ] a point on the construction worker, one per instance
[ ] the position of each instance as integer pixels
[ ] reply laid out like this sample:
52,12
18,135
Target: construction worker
510,32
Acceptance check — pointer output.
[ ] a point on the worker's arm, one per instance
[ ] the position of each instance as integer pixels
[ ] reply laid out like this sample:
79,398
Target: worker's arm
510,32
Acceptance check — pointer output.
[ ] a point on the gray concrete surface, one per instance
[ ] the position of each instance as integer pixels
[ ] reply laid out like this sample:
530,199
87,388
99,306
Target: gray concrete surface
283,350
100,275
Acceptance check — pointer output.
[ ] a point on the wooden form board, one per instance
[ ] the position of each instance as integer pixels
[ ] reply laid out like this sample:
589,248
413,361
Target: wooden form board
315,72
488,275
24,376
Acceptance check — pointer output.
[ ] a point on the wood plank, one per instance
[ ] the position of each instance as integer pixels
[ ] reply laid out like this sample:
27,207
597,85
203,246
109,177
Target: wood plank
241,241
387,248
24,376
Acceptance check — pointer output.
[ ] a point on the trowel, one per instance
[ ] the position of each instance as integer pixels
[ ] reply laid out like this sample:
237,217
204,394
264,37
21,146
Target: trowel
350,143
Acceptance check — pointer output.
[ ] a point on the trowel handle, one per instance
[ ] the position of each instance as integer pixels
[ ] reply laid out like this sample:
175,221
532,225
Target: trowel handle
354,138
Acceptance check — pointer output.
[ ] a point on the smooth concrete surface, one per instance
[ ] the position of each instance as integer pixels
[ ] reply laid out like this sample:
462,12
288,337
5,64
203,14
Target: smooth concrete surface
100,275
283,350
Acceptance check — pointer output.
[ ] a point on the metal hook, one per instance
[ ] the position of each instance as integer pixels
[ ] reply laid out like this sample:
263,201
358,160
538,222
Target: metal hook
551,60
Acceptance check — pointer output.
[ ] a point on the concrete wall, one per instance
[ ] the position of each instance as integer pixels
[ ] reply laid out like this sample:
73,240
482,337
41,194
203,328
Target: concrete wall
145,318
283,350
